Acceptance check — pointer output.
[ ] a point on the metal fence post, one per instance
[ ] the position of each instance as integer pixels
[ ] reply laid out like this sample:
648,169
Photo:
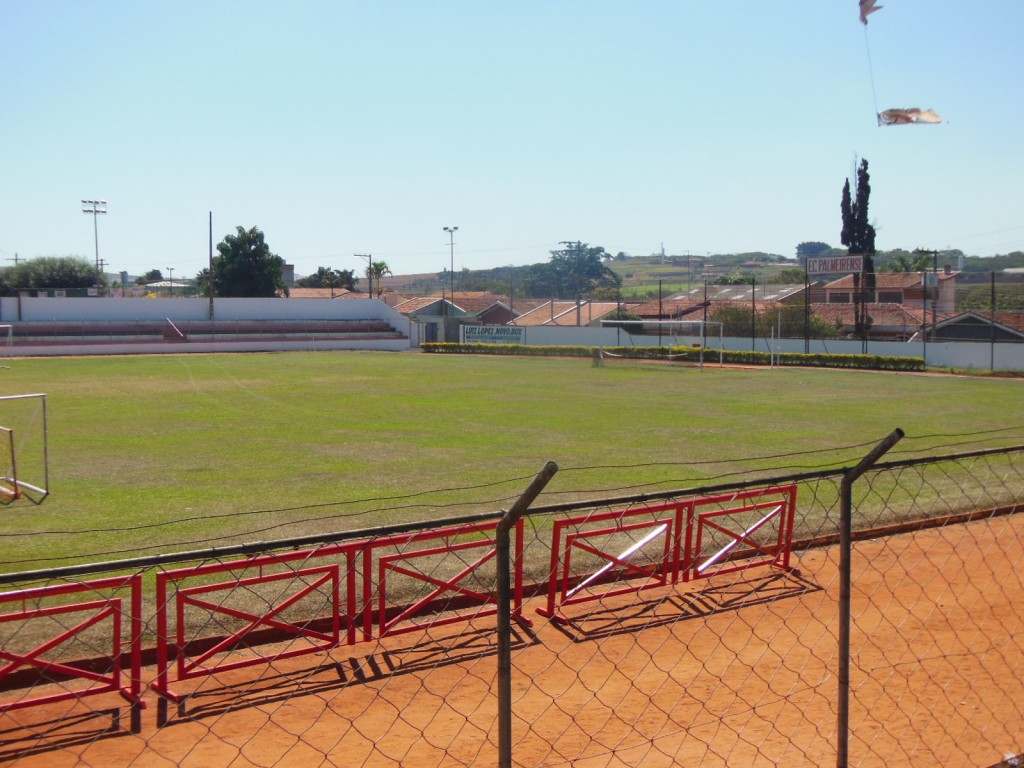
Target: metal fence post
845,590
503,549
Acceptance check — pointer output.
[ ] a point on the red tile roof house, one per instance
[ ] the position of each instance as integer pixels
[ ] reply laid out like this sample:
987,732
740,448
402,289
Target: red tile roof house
485,307
902,304
911,289
568,313
979,326
885,321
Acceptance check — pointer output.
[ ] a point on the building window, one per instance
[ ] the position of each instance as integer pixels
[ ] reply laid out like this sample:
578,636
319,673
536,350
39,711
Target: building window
839,298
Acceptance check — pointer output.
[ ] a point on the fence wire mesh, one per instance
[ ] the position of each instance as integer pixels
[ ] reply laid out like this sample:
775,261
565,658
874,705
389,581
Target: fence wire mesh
699,628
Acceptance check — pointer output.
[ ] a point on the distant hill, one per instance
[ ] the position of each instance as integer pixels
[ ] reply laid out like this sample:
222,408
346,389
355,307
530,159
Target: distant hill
643,275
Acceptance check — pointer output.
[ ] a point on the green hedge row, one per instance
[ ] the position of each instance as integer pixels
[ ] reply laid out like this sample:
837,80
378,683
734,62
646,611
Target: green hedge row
711,356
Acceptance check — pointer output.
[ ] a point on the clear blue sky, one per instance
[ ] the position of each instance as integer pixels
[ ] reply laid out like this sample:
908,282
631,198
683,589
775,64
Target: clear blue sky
340,128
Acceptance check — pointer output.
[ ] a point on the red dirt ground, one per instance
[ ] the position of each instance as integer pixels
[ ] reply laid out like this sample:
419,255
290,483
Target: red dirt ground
733,670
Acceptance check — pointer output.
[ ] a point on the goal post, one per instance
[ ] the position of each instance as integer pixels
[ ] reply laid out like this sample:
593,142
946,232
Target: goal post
24,454
675,328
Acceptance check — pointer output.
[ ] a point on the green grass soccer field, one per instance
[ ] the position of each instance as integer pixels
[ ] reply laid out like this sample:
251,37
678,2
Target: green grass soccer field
164,453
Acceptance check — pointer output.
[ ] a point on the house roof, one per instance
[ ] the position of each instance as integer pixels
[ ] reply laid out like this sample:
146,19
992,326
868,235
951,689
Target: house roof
882,315
320,293
420,303
762,291
1012,322
564,313
672,308
890,280
474,302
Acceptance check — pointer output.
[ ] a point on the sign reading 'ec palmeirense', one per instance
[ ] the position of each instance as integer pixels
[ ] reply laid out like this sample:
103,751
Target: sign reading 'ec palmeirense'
834,265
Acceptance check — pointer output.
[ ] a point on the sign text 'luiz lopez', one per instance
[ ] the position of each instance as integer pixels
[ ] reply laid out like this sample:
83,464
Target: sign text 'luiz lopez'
834,265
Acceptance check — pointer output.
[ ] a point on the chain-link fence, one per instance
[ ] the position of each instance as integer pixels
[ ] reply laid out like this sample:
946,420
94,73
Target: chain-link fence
698,627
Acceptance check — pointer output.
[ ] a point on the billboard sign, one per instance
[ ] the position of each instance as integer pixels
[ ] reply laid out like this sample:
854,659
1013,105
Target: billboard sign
835,265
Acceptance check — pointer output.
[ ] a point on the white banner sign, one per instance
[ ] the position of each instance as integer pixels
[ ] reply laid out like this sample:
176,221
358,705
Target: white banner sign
835,265
492,334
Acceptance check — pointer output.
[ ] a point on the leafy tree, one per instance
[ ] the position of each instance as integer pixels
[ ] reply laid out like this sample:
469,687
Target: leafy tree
901,261
376,271
51,272
539,281
735,319
201,283
809,250
1009,298
791,275
153,276
245,267
578,270
326,277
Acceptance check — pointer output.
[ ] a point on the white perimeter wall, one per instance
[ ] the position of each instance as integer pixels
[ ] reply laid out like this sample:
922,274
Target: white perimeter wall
947,354
960,354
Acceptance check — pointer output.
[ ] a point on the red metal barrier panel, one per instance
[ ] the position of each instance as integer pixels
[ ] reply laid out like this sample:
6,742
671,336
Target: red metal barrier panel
432,578
295,597
757,524
622,551
71,625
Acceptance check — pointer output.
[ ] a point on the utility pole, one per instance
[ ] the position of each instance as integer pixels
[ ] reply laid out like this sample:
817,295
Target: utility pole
934,288
96,208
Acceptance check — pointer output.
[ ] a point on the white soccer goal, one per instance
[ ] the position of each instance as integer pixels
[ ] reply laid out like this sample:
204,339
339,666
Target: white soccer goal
24,456
688,329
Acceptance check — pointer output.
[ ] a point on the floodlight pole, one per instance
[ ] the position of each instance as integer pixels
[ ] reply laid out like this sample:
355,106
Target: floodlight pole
451,250
96,208
170,281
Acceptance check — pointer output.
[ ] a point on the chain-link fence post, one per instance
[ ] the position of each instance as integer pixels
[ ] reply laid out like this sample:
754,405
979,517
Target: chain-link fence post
503,551
845,590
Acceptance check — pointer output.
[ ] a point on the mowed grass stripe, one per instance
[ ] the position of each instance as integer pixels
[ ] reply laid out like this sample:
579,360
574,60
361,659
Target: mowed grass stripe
137,441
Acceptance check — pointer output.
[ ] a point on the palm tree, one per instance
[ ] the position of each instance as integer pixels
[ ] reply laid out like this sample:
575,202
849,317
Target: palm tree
376,271
909,262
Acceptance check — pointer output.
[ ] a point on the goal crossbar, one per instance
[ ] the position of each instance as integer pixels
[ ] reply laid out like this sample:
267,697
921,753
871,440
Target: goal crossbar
700,325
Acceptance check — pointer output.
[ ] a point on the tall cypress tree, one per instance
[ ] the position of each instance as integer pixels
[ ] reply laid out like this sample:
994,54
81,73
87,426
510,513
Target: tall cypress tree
859,237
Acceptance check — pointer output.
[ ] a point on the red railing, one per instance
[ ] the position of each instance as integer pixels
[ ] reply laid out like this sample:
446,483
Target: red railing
595,534
105,614
195,657
446,599
410,582
617,545
748,512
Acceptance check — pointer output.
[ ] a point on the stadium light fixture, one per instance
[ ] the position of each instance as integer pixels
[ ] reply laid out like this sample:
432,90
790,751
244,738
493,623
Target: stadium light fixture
451,248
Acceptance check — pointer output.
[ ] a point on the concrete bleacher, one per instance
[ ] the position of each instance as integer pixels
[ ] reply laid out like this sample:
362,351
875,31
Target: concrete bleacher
92,326
150,330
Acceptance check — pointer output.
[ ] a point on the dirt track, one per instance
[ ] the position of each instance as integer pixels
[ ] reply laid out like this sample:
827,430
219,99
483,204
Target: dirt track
734,670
